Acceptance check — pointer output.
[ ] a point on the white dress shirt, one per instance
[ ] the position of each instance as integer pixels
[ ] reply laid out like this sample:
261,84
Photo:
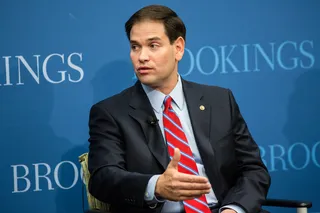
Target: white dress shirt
179,105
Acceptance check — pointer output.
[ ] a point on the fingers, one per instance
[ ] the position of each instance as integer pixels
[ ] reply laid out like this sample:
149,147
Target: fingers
175,159
190,178
181,176
186,190
189,194
177,186
192,186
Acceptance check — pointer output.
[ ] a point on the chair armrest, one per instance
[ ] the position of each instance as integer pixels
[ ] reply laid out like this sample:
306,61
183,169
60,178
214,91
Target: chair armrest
95,211
287,203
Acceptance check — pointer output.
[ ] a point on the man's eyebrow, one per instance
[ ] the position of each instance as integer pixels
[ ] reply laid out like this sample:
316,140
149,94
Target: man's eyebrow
154,39
149,39
133,41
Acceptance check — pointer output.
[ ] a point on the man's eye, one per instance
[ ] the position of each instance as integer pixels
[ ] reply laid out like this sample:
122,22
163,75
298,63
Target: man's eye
153,46
134,47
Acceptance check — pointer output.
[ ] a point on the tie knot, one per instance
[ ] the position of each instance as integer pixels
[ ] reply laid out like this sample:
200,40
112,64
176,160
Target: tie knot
167,102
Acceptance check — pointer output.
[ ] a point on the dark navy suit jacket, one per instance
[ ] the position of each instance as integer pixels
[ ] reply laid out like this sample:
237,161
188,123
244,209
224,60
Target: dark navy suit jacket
126,149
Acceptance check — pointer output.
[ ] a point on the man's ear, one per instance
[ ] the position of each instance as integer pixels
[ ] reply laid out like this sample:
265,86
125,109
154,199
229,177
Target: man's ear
179,45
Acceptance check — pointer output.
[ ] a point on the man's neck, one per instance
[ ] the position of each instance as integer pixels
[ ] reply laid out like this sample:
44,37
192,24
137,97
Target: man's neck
167,88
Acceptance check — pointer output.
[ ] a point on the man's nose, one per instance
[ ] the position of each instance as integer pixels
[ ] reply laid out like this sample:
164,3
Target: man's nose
144,55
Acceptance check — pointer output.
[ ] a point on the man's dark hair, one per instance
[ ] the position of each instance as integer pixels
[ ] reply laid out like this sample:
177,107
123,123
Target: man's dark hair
173,25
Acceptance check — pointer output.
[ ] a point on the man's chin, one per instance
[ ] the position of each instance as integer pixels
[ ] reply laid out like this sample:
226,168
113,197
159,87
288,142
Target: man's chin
147,80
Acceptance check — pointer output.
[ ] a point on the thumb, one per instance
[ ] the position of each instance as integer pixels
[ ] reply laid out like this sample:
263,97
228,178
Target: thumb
175,159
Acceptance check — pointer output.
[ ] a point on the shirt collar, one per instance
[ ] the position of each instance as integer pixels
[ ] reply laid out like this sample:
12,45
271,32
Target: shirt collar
156,97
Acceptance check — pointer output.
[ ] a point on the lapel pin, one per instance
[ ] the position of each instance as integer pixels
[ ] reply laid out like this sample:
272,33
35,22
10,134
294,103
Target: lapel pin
202,108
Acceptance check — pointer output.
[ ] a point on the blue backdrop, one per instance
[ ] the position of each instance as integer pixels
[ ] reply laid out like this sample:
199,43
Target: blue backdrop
57,58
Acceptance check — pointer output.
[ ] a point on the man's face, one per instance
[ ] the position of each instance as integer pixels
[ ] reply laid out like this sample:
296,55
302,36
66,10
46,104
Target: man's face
154,59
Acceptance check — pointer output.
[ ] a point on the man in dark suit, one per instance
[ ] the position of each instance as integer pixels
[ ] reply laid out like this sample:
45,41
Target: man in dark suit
167,144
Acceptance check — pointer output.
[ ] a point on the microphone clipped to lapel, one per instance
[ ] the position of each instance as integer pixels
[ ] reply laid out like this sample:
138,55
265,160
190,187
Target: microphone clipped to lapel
152,120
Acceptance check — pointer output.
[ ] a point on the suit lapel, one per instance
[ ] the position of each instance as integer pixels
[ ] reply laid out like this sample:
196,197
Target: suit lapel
141,111
200,113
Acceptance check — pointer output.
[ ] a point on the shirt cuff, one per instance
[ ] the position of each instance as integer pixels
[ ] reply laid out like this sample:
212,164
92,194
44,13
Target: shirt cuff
149,195
236,208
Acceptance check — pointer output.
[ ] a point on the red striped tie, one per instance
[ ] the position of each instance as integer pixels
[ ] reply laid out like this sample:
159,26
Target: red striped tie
176,139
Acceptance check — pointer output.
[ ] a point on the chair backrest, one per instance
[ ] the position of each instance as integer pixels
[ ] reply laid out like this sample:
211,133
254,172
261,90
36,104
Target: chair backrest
94,204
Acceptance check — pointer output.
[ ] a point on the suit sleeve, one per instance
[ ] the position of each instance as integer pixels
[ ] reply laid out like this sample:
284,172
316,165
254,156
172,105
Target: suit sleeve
253,182
110,182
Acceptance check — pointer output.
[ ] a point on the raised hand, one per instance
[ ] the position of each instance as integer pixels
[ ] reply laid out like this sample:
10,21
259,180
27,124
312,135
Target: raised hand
175,186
